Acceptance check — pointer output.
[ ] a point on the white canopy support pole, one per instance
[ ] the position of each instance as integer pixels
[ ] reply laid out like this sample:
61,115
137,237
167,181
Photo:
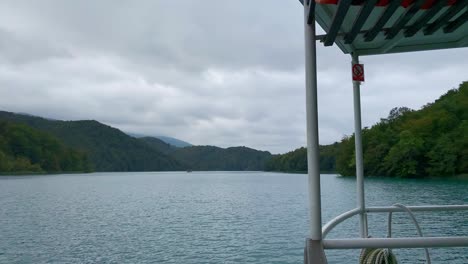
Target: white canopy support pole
313,252
359,156
312,129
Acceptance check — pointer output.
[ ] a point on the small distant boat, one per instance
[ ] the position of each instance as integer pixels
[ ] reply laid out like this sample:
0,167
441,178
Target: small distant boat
189,171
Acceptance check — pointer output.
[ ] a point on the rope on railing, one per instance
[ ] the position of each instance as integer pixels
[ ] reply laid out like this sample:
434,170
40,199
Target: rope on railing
385,255
418,228
377,256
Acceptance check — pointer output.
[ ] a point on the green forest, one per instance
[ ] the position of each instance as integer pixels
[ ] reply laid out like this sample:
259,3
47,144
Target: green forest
108,149
211,158
296,160
430,142
27,150
204,158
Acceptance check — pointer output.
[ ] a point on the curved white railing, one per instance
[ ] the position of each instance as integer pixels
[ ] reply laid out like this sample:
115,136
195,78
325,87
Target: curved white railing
407,242
387,209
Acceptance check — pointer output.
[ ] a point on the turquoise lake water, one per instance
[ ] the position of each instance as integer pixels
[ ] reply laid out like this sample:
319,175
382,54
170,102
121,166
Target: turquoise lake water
205,217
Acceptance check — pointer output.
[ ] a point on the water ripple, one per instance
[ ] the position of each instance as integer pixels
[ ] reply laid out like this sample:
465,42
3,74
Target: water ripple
203,217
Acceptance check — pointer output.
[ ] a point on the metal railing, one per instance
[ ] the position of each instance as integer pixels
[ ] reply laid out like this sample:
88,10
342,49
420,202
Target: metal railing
315,244
405,242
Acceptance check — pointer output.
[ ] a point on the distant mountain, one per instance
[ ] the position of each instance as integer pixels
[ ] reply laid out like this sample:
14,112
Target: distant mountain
174,141
158,144
209,158
135,135
108,148
169,140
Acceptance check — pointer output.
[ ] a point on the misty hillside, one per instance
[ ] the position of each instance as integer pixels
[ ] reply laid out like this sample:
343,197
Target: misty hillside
174,141
222,159
158,144
108,148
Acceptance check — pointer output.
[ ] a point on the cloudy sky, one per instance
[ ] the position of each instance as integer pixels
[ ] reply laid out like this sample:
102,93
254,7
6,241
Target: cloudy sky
225,73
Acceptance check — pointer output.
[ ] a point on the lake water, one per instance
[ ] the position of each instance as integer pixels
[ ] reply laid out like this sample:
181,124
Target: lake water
204,217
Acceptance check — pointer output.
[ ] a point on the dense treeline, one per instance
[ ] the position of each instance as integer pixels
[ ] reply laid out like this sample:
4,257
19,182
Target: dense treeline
209,158
109,149
112,150
296,161
429,142
432,141
26,150
158,144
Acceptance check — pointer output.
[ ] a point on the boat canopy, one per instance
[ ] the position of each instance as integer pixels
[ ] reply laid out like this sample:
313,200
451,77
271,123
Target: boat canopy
370,27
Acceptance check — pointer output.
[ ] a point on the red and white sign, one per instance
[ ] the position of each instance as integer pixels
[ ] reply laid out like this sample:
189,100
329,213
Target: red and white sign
358,72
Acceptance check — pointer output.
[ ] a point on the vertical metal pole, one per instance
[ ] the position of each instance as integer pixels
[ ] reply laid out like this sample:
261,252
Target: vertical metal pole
312,126
359,156
314,252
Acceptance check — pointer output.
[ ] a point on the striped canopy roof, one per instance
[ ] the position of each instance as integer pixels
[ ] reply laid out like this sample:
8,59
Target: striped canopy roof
368,27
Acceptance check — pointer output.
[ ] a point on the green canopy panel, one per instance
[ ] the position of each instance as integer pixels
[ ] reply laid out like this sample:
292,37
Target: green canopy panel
369,27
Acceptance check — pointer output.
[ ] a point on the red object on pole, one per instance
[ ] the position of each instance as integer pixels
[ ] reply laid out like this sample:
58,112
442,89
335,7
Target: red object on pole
358,72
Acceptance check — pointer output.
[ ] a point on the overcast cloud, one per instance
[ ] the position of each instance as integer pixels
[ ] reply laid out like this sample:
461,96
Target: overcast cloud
225,73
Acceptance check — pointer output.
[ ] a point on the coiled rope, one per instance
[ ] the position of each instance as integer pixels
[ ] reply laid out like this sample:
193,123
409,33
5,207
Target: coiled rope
377,256
385,255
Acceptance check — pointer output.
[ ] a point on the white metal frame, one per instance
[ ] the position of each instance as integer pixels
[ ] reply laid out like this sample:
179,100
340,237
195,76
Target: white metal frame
312,127
363,230
388,209
313,252
315,244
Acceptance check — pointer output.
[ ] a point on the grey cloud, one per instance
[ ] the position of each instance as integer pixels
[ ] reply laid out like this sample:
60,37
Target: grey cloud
187,35
16,49
224,73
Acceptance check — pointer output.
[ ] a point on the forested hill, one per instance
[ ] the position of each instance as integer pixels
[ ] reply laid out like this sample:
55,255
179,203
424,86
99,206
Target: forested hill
27,150
432,141
108,148
158,144
211,158
296,160
174,141
222,159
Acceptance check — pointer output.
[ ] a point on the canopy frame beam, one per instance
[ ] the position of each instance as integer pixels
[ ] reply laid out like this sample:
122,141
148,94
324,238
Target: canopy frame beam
359,21
403,19
454,25
445,17
382,21
421,22
338,18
